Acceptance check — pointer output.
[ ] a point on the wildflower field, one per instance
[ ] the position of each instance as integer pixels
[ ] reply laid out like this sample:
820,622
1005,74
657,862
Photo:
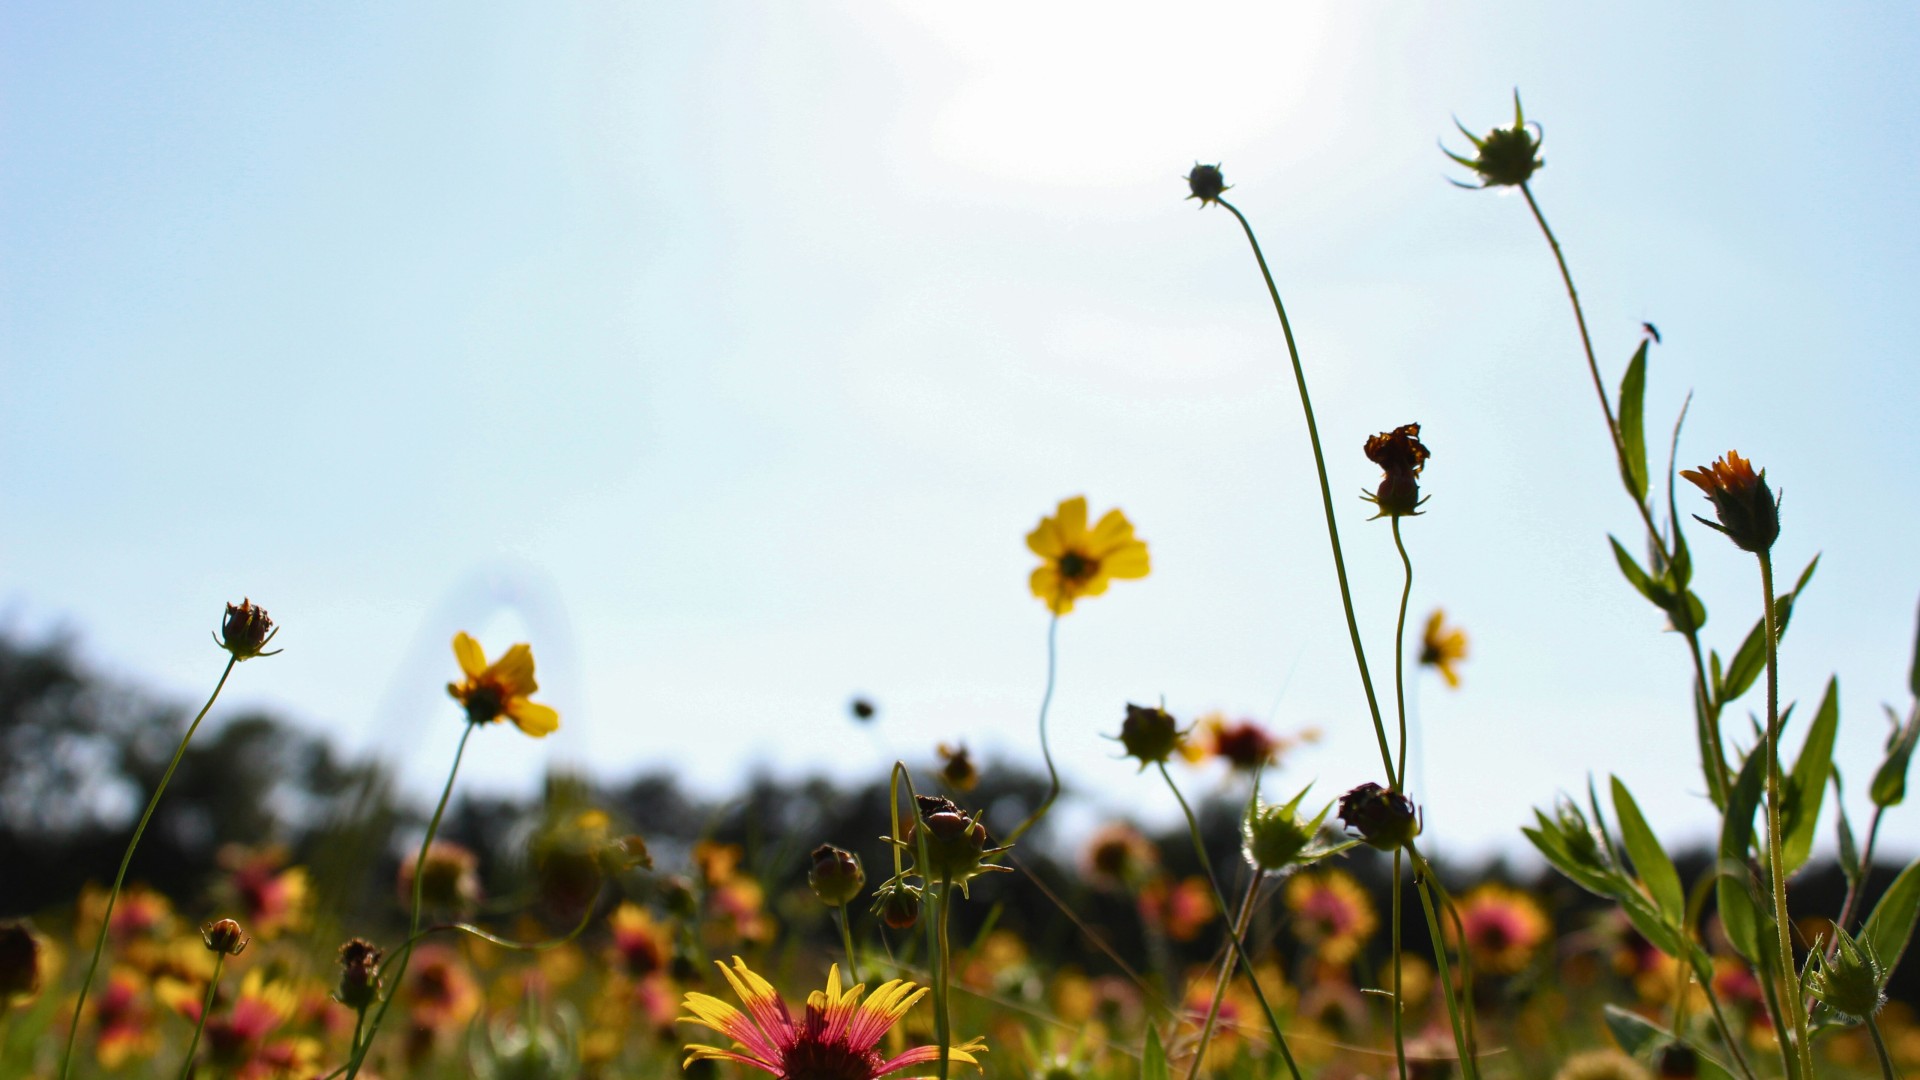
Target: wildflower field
274,909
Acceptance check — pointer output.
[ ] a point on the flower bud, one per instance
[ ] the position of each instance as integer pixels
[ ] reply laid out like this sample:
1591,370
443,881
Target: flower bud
677,891
1273,836
23,956
898,905
224,936
1748,511
1384,819
359,974
1206,183
246,631
862,709
1853,983
1149,736
1505,157
835,877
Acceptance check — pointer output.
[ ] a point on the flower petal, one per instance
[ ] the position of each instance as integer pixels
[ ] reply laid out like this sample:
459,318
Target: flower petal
1113,531
696,1052
1070,520
473,659
1129,560
533,718
761,1000
1044,540
514,672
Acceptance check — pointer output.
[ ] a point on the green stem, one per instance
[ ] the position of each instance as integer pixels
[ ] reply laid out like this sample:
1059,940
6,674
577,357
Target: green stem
413,928
1326,491
1776,842
943,976
1726,1030
126,859
1399,1032
206,1009
1246,962
1880,1048
1422,879
1046,751
1719,778
1240,920
846,938
1399,655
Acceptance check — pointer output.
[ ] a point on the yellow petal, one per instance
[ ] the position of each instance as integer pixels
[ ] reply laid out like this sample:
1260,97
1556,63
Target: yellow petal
1113,531
1128,561
533,718
1045,582
473,659
514,671
1044,540
1070,521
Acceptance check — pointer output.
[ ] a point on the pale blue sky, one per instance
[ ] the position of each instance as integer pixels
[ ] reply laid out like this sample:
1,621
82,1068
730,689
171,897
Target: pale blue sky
734,348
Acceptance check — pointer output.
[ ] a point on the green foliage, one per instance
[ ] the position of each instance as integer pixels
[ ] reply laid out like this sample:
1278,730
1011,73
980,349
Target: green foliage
1633,436
1806,785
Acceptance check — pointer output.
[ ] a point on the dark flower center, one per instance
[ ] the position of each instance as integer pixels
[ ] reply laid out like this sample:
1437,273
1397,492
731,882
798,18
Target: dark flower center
809,1059
483,704
1077,567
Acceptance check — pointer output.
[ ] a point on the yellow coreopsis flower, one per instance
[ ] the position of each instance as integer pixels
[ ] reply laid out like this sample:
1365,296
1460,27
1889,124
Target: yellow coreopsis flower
1442,647
502,688
1078,561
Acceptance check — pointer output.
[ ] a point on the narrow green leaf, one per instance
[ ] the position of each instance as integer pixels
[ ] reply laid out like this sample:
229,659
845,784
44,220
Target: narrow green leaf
1913,673
1633,436
1640,1037
1637,577
1849,848
1891,925
1738,913
1807,784
1890,779
1650,860
1153,1062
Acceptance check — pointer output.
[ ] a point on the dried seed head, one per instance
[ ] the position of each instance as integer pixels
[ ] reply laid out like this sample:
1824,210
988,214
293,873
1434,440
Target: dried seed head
246,630
1384,819
359,974
1206,183
23,955
1401,455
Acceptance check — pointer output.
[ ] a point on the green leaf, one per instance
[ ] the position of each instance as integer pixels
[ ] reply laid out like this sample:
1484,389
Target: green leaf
1806,786
1637,577
1890,926
1650,860
1633,436
1640,1037
1738,913
1889,786
1849,848
1913,673
1552,843
1153,1063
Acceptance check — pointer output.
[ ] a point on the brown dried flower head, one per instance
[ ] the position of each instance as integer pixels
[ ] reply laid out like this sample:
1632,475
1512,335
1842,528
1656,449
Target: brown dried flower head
1401,456
246,630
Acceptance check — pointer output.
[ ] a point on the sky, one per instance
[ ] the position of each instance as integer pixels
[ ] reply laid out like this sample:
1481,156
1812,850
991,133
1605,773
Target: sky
727,352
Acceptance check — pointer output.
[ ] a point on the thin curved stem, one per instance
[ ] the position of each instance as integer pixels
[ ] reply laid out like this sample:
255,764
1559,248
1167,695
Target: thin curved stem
1399,1032
1326,491
126,860
1246,962
1718,776
413,928
1776,842
1422,879
206,1008
1046,751
1399,654
846,939
1239,928
1726,1030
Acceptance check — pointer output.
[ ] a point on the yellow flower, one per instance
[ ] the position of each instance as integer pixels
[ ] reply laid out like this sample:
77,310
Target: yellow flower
1441,647
1079,562
835,1039
500,689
